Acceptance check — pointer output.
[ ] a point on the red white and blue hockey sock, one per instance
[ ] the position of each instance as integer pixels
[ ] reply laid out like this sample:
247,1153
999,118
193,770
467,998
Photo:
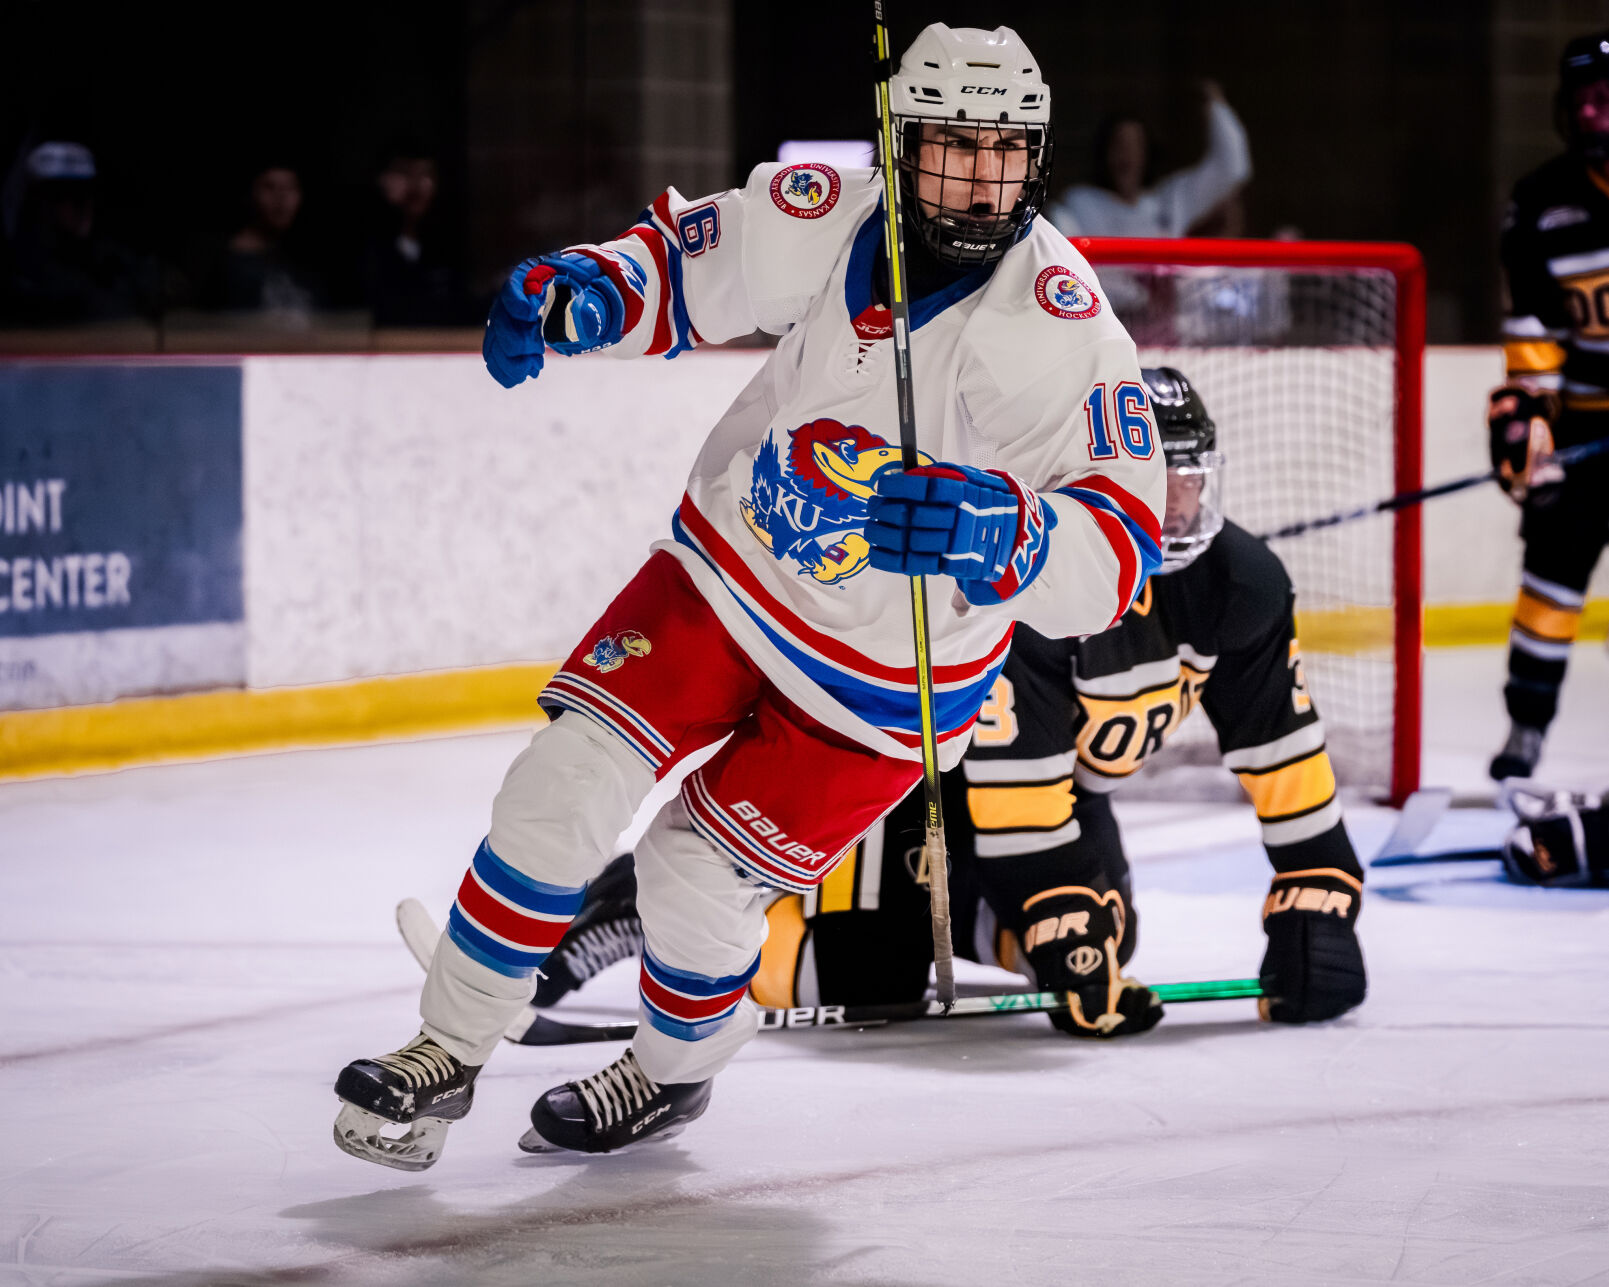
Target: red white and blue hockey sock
507,921
686,1006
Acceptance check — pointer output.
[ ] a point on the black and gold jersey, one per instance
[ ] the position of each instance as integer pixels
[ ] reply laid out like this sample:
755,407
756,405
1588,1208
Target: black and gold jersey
1555,252
1081,716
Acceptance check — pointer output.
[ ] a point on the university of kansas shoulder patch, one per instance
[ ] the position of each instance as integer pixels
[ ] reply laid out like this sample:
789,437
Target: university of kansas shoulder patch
805,191
1062,293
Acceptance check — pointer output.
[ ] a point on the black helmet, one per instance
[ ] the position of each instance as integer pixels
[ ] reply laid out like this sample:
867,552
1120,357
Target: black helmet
1181,415
1585,61
1195,467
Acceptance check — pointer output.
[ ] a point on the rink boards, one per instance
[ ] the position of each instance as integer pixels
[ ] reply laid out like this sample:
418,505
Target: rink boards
266,522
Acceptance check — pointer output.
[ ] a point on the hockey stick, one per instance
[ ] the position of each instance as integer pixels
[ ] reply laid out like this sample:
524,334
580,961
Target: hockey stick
1452,855
1565,458
935,858
533,1027
1420,813
543,1030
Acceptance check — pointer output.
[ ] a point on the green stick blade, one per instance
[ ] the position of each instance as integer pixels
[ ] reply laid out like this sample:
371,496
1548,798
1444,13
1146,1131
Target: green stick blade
1214,990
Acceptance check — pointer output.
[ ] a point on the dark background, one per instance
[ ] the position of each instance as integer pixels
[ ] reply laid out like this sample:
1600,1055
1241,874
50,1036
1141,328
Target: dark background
554,120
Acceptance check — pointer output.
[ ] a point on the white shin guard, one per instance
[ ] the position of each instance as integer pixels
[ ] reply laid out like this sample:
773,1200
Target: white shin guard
702,917
563,804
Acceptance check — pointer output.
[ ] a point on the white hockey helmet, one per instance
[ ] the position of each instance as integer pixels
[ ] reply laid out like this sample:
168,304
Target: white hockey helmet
985,83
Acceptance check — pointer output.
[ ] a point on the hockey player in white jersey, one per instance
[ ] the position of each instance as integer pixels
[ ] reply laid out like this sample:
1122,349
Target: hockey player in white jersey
775,614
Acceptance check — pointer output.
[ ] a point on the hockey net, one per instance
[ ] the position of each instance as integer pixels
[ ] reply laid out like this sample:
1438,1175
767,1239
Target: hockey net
1309,357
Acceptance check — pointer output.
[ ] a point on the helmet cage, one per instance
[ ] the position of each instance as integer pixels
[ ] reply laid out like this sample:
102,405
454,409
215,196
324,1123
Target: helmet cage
972,235
1184,542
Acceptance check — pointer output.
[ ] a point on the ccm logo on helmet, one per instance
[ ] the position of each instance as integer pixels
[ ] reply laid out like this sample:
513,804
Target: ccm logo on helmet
981,89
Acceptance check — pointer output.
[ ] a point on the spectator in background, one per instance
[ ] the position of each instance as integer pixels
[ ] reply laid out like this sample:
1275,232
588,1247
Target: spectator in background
408,279
1124,202
263,268
61,271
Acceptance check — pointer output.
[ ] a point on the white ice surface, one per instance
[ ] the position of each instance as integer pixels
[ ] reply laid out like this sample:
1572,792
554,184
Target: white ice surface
189,953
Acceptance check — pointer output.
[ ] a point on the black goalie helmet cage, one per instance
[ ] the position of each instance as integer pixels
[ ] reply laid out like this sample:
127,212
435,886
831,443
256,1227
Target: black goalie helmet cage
978,102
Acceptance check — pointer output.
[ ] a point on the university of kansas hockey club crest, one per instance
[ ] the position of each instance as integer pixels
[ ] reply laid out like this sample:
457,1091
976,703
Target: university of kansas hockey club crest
811,506
805,191
1063,293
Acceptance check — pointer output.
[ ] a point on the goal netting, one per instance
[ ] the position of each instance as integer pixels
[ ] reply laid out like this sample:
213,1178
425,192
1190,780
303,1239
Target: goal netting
1309,358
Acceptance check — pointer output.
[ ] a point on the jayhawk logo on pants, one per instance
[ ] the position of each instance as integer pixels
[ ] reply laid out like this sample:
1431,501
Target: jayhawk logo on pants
610,652
811,508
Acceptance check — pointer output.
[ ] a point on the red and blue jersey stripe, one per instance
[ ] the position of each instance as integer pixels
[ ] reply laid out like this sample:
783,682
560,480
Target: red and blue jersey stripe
884,696
656,232
1130,528
688,1006
507,921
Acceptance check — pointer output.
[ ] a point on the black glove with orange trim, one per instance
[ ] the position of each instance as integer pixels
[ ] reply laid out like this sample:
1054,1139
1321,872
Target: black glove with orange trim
1072,942
1313,968
1520,425
1562,839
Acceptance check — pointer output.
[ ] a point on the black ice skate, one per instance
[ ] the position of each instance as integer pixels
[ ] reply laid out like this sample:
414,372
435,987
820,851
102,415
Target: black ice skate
1520,753
611,1109
606,929
420,1086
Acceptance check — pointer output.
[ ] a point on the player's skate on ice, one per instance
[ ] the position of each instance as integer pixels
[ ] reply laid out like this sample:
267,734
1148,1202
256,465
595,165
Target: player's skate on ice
420,1087
775,615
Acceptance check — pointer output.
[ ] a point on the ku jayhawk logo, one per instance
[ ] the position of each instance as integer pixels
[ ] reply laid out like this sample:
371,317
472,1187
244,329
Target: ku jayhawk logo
1062,293
805,191
811,507
611,652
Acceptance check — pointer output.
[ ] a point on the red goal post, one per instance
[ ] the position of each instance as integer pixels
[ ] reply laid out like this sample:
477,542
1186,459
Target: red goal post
1310,357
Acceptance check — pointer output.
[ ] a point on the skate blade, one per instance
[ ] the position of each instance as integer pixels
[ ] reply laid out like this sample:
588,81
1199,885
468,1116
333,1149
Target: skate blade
531,1142
361,1133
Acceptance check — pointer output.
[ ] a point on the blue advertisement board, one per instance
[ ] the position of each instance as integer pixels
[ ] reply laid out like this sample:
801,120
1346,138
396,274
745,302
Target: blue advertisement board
120,496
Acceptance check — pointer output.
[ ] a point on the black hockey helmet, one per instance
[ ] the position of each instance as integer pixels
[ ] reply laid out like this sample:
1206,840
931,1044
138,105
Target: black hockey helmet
1195,467
1584,62
1181,416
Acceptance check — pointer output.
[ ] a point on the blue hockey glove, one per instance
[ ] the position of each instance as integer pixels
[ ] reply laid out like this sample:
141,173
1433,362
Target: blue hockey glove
981,526
566,300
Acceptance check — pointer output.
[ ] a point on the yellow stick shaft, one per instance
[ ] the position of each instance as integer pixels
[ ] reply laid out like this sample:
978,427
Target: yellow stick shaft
935,860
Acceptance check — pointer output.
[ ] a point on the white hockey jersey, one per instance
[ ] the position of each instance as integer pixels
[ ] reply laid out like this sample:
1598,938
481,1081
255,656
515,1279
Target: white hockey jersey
1021,368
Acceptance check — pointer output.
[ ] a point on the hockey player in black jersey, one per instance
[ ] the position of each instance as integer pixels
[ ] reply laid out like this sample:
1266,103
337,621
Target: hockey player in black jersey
1039,881
1555,251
